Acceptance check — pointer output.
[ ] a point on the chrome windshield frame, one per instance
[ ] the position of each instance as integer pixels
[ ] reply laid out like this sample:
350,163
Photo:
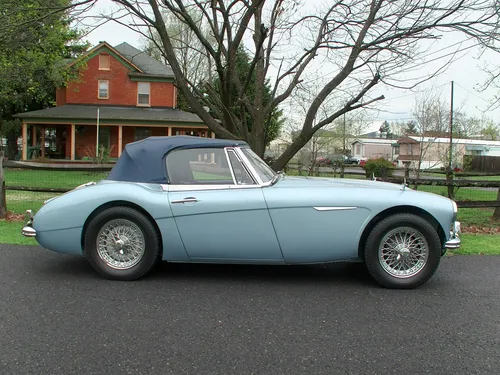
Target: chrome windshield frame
246,164
251,167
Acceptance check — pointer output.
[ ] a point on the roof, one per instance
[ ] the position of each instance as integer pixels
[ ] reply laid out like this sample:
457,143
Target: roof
145,62
382,141
116,113
144,160
140,63
455,141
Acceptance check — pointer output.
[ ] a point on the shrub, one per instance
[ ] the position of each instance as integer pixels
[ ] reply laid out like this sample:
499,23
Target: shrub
380,167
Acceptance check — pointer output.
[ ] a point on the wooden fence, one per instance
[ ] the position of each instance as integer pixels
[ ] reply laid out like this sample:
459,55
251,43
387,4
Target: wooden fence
484,164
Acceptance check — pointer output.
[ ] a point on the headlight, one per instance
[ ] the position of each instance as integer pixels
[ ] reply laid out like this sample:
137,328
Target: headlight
455,207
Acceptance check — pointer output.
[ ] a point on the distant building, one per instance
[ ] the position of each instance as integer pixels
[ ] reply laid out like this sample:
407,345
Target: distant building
431,152
374,148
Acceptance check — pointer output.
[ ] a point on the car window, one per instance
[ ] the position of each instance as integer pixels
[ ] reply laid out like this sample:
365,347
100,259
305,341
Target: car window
265,172
241,175
198,166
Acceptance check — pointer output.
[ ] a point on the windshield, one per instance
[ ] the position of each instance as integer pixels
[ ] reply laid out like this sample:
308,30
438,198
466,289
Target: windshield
265,172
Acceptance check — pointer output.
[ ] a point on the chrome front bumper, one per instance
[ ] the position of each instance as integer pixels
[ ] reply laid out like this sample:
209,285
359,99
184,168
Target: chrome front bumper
454,241
28,230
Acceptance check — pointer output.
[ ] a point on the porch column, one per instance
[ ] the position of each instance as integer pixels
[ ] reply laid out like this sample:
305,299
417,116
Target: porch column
169,131
42,145
120,140
25,141
73,135
212,134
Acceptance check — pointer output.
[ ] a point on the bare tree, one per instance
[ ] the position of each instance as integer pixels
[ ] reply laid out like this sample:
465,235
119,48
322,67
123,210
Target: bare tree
355,44
194,60
432,121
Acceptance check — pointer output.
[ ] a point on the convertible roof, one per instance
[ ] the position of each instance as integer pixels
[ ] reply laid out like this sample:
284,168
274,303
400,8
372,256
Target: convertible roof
144,160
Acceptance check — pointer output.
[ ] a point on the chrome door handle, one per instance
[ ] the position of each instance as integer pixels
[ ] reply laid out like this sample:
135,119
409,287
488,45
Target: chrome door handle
186,200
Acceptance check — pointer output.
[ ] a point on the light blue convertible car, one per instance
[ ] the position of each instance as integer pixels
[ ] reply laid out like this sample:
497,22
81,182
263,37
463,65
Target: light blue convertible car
190,199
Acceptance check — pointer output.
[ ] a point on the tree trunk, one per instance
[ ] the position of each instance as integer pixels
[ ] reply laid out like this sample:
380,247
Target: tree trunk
3,200
291,150
496,213
11,144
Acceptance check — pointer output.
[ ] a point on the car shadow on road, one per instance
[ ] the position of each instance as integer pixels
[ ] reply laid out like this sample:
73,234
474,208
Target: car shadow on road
336,273
341,273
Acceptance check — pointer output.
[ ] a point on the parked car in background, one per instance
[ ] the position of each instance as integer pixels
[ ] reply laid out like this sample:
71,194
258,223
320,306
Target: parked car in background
352,160
188,199
330,160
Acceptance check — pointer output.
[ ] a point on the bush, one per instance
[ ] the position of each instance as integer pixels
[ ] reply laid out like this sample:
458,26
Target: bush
380,167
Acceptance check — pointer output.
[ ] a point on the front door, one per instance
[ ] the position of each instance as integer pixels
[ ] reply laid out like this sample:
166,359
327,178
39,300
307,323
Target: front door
220,217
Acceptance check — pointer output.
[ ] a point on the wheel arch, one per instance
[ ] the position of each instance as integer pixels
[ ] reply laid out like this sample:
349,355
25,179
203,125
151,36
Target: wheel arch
398,210
121,203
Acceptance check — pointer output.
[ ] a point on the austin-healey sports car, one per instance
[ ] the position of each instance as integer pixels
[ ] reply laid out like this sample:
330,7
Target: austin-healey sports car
203,200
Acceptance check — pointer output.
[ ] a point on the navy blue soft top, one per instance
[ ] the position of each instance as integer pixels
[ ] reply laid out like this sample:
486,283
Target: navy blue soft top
144,160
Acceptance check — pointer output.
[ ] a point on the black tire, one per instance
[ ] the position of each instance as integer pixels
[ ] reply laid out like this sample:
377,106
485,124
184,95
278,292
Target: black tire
374,241
150,255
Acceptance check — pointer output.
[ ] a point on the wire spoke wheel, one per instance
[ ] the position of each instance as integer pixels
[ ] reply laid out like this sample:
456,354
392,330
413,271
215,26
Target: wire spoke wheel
121,244
403,252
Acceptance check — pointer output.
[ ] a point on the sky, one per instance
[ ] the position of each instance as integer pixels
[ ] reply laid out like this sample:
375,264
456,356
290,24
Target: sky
464,72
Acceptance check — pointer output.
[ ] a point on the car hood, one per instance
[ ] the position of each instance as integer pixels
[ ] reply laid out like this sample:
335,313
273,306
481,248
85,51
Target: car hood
303,181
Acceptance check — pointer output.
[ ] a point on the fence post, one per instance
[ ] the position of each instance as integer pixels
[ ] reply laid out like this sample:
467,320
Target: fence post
3,201
451,188
496,213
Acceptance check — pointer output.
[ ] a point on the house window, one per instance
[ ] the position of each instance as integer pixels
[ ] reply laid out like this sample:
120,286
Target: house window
410,149
103,90
358,149
141,133
143,89
103,61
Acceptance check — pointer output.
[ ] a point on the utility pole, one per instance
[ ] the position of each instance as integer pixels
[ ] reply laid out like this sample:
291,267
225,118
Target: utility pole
97,136
342,169
449,175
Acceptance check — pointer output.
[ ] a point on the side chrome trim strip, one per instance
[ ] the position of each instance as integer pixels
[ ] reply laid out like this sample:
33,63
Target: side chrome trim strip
166,187
334,208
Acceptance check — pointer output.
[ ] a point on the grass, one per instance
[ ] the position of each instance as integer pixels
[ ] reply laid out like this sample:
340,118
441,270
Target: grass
50,179
482,244
20,201
462,194
477,217
10,233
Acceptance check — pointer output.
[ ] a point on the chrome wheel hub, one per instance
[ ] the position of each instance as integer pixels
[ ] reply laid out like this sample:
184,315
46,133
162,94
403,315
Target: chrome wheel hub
403,252
121,244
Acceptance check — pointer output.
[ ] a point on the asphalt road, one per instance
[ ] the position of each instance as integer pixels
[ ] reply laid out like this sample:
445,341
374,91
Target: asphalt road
58,317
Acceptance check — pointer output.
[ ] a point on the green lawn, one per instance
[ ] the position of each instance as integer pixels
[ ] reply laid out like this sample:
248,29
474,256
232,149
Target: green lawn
50,179
462,194
10,233
20,201
483,244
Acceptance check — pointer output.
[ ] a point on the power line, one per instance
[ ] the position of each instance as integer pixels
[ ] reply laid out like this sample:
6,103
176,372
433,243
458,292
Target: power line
470,92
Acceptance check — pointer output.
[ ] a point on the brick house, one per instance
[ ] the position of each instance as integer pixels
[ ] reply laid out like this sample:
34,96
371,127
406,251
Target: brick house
122,95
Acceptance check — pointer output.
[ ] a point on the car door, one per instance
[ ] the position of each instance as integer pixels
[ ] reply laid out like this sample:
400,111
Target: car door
220,213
